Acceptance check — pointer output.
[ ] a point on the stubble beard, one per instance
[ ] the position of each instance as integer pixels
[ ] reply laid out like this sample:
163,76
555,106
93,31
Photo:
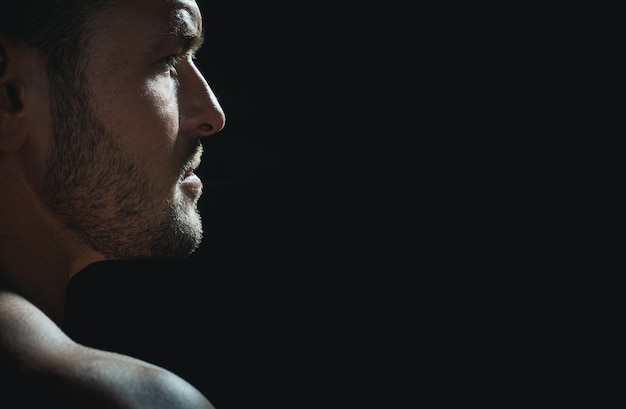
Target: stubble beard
102,195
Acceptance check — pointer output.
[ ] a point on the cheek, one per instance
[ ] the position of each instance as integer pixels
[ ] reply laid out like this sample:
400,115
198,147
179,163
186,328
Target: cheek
144,120
159,103
142,117
156,127
141,114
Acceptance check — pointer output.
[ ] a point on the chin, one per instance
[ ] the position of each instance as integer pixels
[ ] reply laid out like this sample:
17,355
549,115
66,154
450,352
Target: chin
180,235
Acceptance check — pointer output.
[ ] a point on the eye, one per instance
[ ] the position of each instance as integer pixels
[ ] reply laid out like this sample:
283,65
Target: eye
171,60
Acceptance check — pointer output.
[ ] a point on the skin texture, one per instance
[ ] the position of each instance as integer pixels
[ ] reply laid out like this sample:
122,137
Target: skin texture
102,171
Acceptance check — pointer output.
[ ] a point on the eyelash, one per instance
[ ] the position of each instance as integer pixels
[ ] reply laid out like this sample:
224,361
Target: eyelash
171,61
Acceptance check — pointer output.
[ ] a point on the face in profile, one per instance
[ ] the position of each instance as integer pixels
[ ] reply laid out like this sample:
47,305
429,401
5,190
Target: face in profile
127,138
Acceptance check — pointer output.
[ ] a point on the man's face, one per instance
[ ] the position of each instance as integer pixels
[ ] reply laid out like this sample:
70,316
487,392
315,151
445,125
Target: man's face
121,173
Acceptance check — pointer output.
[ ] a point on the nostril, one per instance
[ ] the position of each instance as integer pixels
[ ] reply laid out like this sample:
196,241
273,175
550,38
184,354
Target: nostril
206,128
213,122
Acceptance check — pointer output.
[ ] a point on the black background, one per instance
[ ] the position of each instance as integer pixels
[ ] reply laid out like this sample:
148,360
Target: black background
279,304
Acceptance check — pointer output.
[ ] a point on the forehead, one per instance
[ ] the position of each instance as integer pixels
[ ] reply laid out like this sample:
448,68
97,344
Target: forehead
150,18
149,6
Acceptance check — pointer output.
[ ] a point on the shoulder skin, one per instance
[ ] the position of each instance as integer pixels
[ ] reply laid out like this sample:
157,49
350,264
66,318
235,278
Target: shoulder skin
40,365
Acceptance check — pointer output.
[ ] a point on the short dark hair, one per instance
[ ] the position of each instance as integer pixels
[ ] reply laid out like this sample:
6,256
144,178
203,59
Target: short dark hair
59,29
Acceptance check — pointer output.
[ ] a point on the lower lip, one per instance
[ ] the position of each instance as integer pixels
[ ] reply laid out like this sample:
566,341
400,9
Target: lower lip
192,184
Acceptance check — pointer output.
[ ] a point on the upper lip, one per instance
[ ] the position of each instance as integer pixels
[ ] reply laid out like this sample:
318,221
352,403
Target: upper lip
191,168
193,161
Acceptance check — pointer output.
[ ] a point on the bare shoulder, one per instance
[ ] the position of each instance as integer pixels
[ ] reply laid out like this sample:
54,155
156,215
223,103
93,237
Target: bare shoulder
40,364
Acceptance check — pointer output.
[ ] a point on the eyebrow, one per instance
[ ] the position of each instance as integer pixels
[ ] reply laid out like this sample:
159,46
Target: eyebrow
181,32
192,39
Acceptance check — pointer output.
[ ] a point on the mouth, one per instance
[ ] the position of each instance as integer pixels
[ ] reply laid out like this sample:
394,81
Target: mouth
189,172
189,181
192,164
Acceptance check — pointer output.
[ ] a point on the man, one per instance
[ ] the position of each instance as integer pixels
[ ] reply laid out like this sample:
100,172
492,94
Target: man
101,115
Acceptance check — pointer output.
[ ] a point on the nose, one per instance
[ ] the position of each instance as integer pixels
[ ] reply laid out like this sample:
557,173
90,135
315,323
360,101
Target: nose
200,113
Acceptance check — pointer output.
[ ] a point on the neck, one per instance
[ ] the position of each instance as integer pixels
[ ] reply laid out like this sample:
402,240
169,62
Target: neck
38,255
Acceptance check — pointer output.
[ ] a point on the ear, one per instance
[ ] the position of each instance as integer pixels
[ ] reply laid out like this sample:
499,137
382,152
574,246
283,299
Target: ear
12,133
